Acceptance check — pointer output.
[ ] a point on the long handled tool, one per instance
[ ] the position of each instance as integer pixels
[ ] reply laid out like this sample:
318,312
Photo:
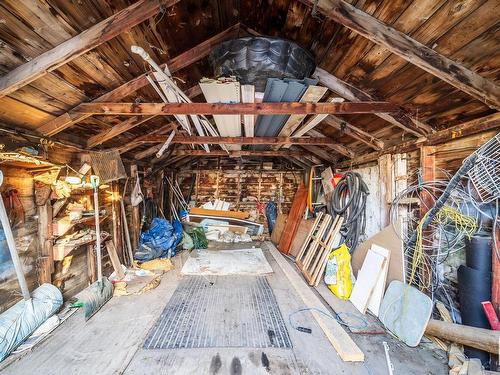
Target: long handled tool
100,292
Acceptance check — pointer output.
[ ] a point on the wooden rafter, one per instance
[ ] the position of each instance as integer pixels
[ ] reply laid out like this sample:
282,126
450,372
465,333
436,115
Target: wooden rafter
410,50
179,62
354,132
321,153
400,118
147,109
80,44
233,154
129,124
143,138
198,140
337,147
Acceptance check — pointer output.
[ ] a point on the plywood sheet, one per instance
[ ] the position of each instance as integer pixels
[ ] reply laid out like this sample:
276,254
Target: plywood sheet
388,239
300,236
379,290
294,218
279,226
227,262
366,280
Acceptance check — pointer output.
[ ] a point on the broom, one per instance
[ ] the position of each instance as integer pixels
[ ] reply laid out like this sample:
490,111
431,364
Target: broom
98,293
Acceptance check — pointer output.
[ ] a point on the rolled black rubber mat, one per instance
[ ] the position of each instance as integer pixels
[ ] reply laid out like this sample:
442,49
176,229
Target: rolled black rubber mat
478,253
474,287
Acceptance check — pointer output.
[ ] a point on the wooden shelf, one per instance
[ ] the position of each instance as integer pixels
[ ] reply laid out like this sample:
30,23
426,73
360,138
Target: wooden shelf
62,250
63,225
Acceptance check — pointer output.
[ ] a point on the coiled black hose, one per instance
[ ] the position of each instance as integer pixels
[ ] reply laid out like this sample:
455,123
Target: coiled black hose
349,201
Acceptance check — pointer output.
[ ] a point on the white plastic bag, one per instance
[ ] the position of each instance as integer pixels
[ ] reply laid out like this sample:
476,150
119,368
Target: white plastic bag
136,196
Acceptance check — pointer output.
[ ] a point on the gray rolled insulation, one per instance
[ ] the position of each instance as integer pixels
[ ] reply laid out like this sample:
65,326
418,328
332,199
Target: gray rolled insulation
478,253
19,322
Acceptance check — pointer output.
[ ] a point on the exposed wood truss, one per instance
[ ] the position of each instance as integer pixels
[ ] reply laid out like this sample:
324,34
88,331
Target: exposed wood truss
129,124
411,50
198,140
80,44
351,93
181,61
233,154
354,132
282,108
465,129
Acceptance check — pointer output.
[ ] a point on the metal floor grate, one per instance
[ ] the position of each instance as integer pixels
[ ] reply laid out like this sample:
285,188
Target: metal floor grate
220,311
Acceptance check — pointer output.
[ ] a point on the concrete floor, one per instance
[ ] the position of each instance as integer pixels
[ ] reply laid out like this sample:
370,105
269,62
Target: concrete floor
111,343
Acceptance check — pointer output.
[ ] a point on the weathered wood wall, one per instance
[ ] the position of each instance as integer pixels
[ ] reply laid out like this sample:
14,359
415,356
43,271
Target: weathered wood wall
25,235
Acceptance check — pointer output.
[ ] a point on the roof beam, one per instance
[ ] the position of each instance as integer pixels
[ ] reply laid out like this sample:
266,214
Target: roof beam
81,43
282,108
354,132
321,153
136,142
337,147
129,124
179,62
353,94
411,50
234,154
198,140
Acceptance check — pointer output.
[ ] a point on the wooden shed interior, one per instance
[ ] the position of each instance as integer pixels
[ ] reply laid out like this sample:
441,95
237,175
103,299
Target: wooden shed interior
273,133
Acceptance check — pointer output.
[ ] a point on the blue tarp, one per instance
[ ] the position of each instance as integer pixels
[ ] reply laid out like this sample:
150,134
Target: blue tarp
271,213
159,239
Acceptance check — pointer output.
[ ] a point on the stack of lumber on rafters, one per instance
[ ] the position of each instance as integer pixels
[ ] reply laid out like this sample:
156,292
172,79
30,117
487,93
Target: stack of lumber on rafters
320,241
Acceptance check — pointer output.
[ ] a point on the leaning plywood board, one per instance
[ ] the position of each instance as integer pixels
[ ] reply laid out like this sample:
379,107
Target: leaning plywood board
366,280
389,239
379,290
301,235
338,337
278,228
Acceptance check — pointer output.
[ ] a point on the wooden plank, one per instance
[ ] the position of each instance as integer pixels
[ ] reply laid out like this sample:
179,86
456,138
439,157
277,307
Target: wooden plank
338,337
366,280
115,261
301,236
401,119
80,44
282,108
198,140
279,226
379,289
221,213
388,239
294,217
313,94
411,50
128,88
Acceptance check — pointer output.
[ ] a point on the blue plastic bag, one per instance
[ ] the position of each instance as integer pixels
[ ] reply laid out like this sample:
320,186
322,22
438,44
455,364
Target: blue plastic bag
271,213
159,239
